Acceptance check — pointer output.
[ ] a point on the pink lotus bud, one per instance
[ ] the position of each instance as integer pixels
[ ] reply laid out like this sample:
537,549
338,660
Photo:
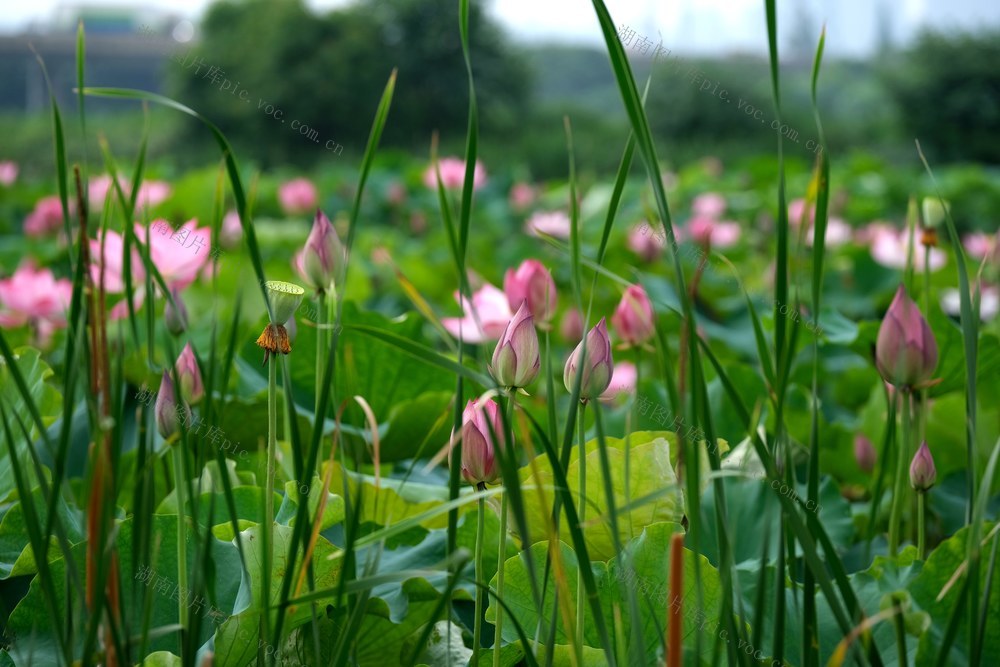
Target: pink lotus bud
516,360
232,230
533,283
166,408
298,196
322,259
633,319
922,471
571,327
905,352
708,204
597,366
479,463
647,242
864,453
189,376
176,319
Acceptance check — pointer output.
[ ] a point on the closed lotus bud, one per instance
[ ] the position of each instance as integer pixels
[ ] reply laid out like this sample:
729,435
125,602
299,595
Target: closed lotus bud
533,283
516,360
864,453
323,256
479,464
923,474
572,325
934,211
176,319
597,366
189,377
905,351
166,408
633,319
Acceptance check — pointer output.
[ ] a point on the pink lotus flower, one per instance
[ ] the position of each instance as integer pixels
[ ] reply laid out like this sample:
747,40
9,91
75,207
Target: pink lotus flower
708,205
522,196
633,318
232,230
980,245
552,223
150,194
97,190
906,352
34,296
571,327
180,255
646,242
8,172
533,283
453,174
838,233
708,232
890,248
46,217
796,210
108,251
298,196
622,382
489,309
989,302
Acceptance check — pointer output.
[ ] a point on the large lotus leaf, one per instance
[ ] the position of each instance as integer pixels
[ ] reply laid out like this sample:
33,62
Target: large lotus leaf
942,564
650,471
31,623
45,398
642,571
16,557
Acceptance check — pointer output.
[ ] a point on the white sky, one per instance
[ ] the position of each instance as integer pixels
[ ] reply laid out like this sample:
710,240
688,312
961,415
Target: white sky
706,26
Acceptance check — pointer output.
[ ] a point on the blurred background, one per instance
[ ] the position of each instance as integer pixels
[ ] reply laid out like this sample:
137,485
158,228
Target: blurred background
893,71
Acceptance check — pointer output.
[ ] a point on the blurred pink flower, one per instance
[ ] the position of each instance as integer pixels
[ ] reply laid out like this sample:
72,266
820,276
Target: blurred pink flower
522,195
980,245
646,242
150,194
838,233
34,296
8,172
989,302
396,193
622,382
298,196
178,256
889,247
709,205
490,307
232,230
552,223
709,232
796,208
571,327
114,271
453,174
46,217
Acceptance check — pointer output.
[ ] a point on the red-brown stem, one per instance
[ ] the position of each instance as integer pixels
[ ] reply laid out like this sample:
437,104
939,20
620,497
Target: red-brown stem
676,594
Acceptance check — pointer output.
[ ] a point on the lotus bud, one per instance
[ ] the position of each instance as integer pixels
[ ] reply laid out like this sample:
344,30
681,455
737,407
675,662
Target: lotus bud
934,211
533,283
479,464
176,318
597,366
516,360
922,471
864,453
905,351
571,327
189,377
633,319
323,256
166,408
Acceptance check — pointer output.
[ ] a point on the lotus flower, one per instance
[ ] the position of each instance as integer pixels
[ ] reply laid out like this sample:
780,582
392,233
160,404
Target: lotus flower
150,194
179,255
516,360
485,319
905,351
571,327
923,474
889,247
189,376
46,217
479,465
838,233
552,223
622,382
321,262
297,196
633,319
533,283
453,174
521,196
708,205
8,172
981,246
232,230
796,210
989,302
34,296
864,453
708,232
597,366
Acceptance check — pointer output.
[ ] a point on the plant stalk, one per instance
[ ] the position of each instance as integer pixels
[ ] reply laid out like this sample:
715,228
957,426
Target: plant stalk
903,455
478,627
177,452
581,603
921,513
502,542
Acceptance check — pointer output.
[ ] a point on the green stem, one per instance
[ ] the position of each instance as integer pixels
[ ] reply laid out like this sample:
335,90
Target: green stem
581,603
502,546
478,628
182,580
272,446
899,490
921,536
320,346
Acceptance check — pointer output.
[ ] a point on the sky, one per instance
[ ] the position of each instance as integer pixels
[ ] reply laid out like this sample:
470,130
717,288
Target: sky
709,27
